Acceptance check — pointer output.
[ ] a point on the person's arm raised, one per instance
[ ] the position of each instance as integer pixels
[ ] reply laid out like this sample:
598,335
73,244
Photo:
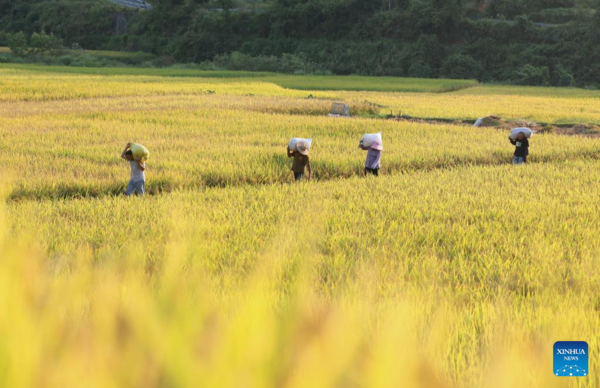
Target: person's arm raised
125,150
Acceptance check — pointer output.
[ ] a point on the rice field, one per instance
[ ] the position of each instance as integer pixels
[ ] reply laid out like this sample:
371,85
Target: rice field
302,82
435,98
452,269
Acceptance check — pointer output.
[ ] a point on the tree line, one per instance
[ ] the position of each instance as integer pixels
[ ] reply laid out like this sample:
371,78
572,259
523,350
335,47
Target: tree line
488,40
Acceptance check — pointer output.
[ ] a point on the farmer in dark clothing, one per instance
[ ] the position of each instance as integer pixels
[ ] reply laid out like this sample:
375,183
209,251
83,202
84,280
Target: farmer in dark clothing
522,150
301,161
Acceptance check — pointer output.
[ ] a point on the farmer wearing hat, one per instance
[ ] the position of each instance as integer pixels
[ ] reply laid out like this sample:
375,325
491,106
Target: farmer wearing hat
301,161
373,162
137,182
522,148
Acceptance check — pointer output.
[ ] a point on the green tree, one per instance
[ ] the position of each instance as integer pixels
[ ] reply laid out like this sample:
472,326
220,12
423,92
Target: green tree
18,44
420,69
562,77
461,67
532,76
44,44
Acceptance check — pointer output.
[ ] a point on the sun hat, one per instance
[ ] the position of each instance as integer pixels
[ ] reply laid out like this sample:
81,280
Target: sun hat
303,147
377,146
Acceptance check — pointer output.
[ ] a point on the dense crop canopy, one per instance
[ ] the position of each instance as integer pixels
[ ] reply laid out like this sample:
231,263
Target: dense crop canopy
452,269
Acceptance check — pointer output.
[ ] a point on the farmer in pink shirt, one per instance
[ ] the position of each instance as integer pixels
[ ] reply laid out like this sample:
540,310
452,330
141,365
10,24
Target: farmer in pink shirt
373,162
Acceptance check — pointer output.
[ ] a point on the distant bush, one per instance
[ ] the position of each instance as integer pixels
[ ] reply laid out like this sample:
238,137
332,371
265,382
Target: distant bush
73,58
18,44
162,61
556,15
562,77
45,44
84,60
429,50
21,45
461,67
287,63
420,69
532,76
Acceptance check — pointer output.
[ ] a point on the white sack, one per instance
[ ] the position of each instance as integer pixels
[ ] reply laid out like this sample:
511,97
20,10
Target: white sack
294,142
526,131
368,140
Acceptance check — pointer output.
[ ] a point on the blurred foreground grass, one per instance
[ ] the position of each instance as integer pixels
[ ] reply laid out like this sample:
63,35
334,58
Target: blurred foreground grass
449,278
453,269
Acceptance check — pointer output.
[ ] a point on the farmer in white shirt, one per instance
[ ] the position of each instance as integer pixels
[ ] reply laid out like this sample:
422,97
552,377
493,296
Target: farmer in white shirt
137,183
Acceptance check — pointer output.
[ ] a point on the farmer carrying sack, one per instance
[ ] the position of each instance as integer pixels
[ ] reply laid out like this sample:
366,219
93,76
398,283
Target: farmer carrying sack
140,153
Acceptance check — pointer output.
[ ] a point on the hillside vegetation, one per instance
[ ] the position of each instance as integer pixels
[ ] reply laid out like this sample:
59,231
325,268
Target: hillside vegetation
551,42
